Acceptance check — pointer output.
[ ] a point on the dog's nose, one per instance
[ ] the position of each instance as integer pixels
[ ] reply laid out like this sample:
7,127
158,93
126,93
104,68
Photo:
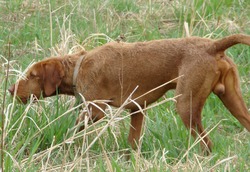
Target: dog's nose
12,89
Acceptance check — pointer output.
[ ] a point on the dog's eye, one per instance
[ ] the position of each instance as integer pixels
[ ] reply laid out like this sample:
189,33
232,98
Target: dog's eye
33,74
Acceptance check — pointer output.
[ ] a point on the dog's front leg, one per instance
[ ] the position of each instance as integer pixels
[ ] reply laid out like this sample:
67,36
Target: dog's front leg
94,112
135,128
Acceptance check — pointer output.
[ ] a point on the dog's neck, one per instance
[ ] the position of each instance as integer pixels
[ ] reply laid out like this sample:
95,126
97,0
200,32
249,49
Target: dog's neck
71,65
75,73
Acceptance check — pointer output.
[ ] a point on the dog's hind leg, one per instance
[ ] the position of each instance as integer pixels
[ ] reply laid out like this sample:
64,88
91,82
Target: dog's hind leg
194,89
232,98
189,108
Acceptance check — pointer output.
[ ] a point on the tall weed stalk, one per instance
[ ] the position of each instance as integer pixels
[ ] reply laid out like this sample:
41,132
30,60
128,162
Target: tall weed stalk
2,110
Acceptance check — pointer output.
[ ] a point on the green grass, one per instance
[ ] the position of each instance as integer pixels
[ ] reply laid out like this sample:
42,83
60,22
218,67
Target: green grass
41,136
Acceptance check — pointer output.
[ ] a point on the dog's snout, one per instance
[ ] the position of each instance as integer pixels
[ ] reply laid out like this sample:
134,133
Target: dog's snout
12,89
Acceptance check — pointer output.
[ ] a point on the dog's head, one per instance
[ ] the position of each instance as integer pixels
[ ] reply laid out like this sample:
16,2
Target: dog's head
41,80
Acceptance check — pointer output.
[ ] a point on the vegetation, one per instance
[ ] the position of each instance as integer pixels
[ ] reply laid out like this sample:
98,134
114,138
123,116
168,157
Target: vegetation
41,136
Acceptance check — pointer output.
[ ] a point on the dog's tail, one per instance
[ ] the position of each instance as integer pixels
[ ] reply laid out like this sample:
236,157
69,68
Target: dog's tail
225,43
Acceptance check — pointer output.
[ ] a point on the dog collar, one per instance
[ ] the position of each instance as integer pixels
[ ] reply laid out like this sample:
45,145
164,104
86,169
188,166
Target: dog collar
76,70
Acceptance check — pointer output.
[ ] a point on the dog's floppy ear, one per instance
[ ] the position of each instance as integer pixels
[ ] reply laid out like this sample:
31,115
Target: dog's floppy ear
53,74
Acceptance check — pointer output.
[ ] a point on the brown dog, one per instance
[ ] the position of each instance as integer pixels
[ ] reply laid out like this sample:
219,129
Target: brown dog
112,71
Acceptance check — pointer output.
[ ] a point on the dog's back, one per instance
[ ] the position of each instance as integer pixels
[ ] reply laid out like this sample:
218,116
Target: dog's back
120,67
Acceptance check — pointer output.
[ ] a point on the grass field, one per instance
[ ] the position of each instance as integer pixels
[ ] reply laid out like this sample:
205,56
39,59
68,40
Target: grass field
41,136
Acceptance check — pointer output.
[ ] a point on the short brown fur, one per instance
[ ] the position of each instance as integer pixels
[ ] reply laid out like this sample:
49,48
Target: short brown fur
112,71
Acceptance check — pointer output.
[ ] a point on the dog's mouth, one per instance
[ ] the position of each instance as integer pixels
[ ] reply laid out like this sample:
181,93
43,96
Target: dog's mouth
25,100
